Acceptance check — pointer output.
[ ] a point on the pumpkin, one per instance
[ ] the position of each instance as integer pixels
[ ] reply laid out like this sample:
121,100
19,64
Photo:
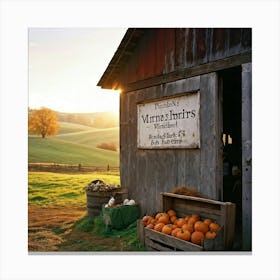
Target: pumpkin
187,218
195,216
192,220
197,237
163,219
201,226
171,213
159,226
188,227
210,235
167,229
183,234
214,227
150,226
208,221
160,214
145,219
174,231
173,219
180,222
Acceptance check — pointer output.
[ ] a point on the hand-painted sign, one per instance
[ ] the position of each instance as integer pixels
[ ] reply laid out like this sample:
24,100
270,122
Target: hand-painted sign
169,123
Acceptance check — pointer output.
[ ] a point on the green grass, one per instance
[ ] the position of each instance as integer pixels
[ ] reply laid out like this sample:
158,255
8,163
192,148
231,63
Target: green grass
75,144
66,127
55,150
58,228
56,189
90,137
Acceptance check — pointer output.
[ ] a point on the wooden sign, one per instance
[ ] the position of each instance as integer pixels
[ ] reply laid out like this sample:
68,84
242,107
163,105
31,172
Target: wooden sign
169,123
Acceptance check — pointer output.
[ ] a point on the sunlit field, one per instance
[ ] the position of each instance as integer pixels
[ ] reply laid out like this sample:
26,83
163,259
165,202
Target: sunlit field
55,189
57,215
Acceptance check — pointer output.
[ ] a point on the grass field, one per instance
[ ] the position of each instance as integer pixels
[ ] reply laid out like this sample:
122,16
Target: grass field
57,215
55,189
87,136
73,145
67,127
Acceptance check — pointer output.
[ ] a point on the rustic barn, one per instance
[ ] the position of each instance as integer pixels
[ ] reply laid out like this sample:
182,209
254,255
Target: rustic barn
185,115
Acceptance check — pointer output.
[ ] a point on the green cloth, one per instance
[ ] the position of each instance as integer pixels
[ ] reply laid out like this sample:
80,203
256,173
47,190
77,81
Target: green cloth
120,217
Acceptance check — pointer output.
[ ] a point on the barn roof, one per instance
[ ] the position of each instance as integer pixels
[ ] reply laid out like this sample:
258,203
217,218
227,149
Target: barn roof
124,51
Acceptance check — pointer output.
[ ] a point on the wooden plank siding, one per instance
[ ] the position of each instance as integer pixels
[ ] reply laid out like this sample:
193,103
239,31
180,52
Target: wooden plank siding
146,173
247,155
165,50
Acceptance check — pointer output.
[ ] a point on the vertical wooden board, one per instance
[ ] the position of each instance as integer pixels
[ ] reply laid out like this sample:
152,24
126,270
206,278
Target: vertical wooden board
234,40
247,155
169,60
189,47
193,168
167,179
182,161
219,43
131,68
201,45
140,231
210,139
246,38
160,50
131,141
142,57
123,139
230,225
149,62
179,48
152,183
140,192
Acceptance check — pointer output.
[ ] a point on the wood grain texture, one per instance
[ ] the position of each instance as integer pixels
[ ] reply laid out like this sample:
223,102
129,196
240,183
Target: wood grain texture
247,155
146,173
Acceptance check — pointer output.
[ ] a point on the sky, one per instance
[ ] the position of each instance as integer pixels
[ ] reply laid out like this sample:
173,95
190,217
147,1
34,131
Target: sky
65,65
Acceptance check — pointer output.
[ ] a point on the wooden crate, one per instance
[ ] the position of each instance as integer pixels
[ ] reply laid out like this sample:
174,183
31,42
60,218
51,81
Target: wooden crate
221,212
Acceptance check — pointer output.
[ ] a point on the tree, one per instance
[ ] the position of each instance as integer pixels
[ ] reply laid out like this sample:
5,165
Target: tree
43,122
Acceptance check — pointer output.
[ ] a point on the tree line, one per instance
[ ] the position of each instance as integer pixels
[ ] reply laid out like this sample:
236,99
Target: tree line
45,122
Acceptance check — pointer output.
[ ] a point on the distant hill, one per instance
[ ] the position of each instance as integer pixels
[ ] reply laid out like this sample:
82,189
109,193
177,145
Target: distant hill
87,136
57,151
98,119
74,144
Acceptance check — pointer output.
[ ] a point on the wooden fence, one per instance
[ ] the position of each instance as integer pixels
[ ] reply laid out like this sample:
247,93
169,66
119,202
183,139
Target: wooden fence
69,168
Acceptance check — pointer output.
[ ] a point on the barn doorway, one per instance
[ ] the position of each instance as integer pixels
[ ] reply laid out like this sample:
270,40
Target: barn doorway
231,95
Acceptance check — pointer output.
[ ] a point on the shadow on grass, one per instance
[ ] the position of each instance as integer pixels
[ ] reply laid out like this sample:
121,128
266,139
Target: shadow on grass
91,234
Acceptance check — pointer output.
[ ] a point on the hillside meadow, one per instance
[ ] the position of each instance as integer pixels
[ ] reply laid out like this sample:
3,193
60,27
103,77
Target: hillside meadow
75,144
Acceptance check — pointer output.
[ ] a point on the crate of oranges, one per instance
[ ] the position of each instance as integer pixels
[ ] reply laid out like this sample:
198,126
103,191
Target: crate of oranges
188,223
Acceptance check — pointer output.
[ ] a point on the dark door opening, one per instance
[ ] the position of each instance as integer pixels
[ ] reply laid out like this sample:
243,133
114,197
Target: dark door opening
231,94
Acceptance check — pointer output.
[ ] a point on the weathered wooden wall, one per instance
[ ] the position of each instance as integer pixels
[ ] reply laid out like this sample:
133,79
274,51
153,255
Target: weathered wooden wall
159,62
165,50
146,173
247,155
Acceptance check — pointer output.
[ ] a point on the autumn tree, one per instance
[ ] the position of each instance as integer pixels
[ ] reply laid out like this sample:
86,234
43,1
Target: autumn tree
43,122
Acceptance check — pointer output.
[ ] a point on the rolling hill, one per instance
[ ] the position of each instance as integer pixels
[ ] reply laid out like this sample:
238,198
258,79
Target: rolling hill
75,144
87,135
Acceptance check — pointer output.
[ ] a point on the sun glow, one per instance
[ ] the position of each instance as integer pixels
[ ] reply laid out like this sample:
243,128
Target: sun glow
65,65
